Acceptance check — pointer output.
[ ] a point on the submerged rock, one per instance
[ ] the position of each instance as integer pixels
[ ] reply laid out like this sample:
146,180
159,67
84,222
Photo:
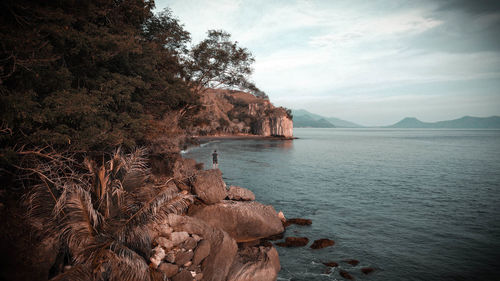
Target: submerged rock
209,186
331,264
255,264
244,221
322,243
294,242
352,262
297,221
346,275
367,270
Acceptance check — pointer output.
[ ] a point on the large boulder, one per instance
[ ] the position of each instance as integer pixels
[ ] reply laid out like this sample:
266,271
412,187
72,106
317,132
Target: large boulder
222,248
240,194
244,221
209,186
255,264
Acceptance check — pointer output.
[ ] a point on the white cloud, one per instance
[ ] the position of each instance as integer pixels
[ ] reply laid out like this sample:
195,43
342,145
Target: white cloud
347,52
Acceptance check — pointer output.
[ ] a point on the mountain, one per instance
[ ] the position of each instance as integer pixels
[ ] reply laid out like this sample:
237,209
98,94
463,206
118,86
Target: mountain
305,121
466,122
340,123
304,118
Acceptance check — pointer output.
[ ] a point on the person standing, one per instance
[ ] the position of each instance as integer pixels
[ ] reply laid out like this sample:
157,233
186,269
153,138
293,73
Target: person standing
215,160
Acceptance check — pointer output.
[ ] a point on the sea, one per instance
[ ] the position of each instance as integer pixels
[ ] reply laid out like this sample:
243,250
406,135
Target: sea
413,204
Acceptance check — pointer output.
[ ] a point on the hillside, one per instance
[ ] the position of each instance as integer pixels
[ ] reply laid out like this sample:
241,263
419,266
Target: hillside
304,118
466,122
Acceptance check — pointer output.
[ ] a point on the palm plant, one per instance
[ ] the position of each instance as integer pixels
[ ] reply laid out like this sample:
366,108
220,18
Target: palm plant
103,215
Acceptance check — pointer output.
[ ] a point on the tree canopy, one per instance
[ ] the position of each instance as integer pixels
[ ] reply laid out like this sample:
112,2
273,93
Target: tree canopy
95,74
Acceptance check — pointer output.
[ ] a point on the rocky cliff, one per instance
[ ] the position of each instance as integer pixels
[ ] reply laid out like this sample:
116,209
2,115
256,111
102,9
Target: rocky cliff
228,112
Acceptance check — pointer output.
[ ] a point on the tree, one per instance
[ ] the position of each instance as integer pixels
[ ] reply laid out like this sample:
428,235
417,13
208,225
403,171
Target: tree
101,212
218,62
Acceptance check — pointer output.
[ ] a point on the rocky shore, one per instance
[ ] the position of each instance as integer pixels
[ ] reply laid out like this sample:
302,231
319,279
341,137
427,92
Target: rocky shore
219,237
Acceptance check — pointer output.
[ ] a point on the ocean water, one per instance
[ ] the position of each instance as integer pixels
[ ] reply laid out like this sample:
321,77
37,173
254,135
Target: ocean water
413,204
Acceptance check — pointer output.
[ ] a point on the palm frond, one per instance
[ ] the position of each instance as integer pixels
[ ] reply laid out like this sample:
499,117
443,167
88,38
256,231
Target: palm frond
136,169
40,201
128,265
81,222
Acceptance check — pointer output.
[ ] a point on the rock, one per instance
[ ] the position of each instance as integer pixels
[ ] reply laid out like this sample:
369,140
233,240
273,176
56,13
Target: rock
164,243
327,270
346,275
255,264
170,257
183,257
275,237
169,269
242,220
198,276
281,216
178,237
294,242
183,167
240,194
322,243
196,237
223,247
367,270
253,243
183,186
352,262
189,244
297,221
331,264
163,230
188,264
209,186
183,275
157,256
201,252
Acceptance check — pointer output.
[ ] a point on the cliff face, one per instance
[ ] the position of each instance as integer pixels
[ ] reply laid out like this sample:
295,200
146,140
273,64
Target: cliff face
233,112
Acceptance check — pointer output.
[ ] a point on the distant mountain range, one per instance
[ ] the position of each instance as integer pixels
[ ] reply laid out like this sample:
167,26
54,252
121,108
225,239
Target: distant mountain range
305,119
466,122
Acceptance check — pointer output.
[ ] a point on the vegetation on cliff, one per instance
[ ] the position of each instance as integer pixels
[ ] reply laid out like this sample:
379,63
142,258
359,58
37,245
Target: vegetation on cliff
80,82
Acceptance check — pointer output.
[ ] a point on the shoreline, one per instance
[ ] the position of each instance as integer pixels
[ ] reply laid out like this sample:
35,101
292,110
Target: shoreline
241,137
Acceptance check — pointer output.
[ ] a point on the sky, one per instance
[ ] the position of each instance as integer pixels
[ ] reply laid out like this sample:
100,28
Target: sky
369,62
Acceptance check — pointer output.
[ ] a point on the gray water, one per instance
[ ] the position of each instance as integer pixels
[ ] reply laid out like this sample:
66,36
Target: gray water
413,204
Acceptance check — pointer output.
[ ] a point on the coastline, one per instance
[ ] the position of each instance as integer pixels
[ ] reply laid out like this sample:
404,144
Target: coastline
241,137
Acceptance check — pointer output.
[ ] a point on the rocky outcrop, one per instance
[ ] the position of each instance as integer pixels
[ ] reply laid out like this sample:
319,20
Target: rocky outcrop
255,264
240,194
276,123
234,112
242,220
222,250
209,186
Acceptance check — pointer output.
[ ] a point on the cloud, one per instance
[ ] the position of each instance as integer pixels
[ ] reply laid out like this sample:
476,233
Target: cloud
363,54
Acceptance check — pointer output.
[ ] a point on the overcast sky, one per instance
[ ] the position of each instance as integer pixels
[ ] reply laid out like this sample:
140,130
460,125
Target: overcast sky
369,62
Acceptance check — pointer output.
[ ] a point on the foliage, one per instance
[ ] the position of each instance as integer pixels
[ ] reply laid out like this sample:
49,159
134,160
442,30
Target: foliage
88,74
101,212
218,62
